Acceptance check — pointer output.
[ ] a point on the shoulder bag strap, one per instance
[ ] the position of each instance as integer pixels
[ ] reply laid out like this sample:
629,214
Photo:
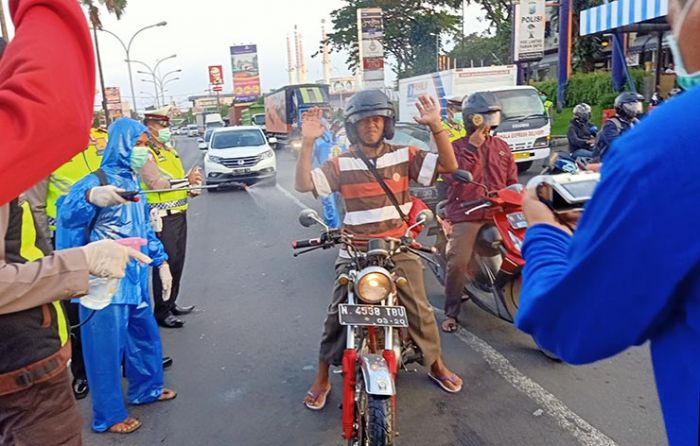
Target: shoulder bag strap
372,168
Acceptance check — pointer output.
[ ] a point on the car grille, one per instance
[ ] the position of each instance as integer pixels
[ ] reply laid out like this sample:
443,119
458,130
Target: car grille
248,161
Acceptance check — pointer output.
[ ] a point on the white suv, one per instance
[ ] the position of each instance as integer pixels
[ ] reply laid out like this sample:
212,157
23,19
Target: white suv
240,154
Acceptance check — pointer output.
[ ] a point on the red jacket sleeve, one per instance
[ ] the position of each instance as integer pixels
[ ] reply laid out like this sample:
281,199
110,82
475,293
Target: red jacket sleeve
47,90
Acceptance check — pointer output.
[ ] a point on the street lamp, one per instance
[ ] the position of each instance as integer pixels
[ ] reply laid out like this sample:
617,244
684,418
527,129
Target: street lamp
152,71
127,49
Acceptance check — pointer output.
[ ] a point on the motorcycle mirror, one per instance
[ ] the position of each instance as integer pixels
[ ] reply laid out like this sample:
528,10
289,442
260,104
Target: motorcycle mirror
425,216
308,218
463,176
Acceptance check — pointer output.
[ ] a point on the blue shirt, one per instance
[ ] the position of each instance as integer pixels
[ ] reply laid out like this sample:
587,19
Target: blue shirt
631,272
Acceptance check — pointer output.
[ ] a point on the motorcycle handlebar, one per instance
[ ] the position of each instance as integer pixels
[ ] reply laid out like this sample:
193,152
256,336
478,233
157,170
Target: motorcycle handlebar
472,203
130,196
308,243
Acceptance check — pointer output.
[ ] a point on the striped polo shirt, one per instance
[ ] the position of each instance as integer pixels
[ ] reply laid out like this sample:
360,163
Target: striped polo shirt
370,213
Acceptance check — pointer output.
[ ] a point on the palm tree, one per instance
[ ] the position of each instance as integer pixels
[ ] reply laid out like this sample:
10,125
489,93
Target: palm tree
115,7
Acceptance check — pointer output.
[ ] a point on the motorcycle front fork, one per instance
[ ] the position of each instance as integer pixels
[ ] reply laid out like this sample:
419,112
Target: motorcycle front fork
351,369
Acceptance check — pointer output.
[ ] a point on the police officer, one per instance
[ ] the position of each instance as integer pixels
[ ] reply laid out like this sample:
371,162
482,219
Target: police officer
454,124
169,215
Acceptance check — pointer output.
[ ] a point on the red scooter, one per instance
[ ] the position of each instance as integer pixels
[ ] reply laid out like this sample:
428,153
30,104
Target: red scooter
497,258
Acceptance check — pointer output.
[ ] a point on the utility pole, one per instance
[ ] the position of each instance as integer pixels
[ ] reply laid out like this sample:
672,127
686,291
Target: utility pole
102,78
3,24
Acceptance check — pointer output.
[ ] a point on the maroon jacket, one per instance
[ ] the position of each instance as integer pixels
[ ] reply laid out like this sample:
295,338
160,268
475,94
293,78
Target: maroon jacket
491,164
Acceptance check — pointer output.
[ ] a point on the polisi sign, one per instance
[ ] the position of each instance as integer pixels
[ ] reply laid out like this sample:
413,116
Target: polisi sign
528,32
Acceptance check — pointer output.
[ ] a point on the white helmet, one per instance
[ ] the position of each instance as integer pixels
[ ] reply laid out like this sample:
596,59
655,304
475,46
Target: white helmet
583,112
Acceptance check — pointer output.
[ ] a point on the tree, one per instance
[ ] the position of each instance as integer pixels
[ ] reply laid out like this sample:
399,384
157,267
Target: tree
492,47
412,31
115,7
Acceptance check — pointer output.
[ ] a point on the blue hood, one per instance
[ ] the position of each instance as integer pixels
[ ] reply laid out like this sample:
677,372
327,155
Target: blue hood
123,135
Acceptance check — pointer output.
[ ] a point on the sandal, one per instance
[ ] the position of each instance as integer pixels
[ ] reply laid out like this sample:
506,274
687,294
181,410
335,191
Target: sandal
167,395
316,401
441,380
450,325
125,427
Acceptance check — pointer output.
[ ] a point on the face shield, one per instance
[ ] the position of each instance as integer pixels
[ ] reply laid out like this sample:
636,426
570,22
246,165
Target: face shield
633,109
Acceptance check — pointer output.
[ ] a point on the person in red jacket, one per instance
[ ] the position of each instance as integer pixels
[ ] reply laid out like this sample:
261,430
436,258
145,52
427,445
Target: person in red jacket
47,91
491,163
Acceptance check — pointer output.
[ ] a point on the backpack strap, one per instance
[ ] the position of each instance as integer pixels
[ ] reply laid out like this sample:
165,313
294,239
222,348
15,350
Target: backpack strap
102,176
372,168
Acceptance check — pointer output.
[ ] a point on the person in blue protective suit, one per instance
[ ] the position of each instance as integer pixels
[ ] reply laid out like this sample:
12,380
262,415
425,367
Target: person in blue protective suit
326,147
125,332
631,271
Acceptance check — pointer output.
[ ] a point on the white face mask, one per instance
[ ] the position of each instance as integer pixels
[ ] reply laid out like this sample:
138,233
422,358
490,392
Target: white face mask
685,80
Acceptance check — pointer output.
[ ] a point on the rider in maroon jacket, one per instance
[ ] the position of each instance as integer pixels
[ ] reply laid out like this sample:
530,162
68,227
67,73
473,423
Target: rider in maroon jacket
491,163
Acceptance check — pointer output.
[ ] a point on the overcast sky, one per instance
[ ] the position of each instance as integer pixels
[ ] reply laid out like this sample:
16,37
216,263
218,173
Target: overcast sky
200,33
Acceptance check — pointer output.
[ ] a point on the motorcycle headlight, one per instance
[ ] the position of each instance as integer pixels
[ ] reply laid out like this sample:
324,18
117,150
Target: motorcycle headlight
215,159
373,285
268,154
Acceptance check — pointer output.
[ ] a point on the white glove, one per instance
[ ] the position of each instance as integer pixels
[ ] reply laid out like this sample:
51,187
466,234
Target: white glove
104,196
166,278
107,258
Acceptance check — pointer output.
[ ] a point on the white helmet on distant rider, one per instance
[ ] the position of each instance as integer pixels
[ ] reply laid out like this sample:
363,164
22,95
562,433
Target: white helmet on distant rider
582,112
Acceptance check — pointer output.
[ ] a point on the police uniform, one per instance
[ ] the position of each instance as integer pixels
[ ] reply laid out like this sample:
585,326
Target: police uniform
169,210
33,354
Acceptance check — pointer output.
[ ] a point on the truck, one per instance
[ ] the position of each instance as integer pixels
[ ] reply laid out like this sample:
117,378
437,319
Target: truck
254,115
285,106
525,124
213,120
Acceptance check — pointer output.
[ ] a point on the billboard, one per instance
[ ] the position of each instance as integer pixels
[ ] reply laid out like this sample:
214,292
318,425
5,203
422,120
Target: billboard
344,85
528,32
113,95
246,74
370,30
216,74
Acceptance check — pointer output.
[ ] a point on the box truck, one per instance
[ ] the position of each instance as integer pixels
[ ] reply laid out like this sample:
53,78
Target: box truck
525,123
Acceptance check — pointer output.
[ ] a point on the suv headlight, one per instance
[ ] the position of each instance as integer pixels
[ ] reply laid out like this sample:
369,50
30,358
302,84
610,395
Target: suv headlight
267,154
374,285
215,159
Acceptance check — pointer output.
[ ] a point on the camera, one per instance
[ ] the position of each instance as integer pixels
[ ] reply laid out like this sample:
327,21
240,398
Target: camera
565,192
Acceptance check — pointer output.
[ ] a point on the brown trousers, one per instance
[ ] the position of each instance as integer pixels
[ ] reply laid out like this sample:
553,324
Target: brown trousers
422,326
460,250
43,415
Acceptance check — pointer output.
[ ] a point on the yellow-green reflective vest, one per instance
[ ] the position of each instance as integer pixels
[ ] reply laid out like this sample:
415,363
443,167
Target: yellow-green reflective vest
170,165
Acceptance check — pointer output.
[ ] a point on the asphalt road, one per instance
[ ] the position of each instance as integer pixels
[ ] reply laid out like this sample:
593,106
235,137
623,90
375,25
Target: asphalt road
246,357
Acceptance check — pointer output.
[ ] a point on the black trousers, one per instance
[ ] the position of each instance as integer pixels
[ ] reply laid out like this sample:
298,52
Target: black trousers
77,363
174,239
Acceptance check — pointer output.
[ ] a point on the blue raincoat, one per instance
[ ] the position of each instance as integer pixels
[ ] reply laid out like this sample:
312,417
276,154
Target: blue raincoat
325,148
125,332
631,272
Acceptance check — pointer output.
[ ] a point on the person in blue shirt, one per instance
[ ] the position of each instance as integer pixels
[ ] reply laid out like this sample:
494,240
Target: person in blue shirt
326,147
125,332
631,271
628,109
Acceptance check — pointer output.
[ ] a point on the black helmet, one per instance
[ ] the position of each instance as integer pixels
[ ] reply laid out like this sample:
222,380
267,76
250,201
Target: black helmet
476,108
629,105
365,104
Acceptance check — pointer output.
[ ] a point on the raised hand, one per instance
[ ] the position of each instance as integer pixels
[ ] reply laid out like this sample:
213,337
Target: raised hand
311,126
429,110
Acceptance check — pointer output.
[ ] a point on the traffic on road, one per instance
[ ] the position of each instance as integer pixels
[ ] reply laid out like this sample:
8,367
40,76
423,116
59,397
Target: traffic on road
451,238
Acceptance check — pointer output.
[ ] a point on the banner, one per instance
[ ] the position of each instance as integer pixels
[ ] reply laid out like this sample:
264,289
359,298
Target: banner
113,95
528,32
246,74
370,30
216,74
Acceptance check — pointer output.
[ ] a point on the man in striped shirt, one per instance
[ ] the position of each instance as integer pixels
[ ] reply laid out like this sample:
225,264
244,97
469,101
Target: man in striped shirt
369,120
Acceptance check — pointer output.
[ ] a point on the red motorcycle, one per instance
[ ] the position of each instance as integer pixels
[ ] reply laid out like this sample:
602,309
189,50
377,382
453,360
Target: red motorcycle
497,258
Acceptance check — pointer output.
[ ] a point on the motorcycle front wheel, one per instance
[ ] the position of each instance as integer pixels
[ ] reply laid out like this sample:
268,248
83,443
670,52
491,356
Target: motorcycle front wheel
378,422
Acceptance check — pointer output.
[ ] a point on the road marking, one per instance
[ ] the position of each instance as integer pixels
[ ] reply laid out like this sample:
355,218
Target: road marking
294,199
581,430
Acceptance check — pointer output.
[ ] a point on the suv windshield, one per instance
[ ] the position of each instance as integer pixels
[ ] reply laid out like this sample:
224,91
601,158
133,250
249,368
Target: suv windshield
519,104
237,138
259,119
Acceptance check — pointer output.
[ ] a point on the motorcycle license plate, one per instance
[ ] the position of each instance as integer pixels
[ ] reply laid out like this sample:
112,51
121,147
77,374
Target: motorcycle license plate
517,220
372,316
